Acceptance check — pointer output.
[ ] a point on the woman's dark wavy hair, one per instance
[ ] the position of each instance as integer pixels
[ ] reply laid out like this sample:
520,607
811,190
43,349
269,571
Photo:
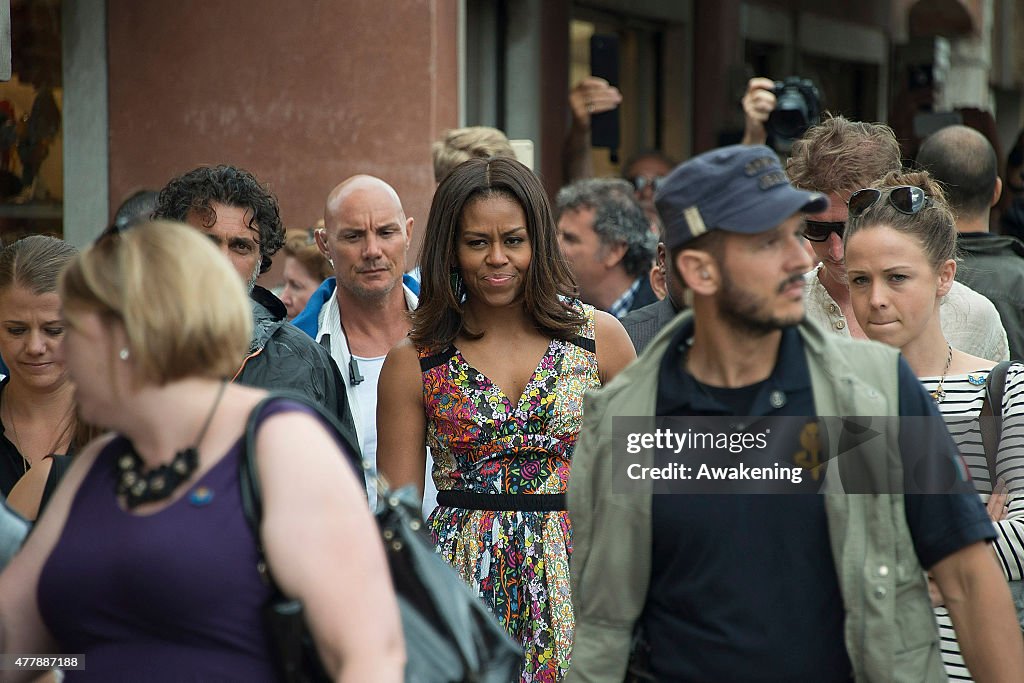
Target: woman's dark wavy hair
438,319
231,186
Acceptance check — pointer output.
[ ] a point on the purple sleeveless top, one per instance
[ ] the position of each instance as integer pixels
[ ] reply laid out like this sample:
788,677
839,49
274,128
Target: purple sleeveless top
169,596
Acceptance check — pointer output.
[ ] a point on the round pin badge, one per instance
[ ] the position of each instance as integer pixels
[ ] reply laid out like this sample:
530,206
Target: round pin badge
201,496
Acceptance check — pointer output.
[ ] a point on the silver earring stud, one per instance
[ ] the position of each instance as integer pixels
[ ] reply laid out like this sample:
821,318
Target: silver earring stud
704,274
123,354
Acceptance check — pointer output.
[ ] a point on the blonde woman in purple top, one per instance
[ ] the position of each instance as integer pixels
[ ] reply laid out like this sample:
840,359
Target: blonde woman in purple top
159,582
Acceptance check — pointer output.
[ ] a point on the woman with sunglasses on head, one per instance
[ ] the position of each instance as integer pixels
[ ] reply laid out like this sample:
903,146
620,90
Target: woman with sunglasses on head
900,248
144,561
40,426
492,379
838,157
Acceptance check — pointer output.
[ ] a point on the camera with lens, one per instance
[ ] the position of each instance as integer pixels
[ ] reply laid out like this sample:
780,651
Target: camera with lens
797,108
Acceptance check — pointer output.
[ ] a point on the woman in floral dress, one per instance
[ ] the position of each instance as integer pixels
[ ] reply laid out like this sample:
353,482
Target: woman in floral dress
492,379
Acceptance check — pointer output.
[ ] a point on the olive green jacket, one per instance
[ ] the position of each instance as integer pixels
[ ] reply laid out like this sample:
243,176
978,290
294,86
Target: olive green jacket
890,630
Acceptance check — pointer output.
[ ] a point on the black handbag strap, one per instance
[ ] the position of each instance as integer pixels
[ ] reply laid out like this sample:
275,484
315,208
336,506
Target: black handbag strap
399,528
991,415
248,474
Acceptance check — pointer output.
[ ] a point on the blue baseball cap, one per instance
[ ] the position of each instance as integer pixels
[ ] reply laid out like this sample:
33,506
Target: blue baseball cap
740,188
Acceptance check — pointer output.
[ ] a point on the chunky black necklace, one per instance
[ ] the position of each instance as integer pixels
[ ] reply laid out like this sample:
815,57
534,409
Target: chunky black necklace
140,487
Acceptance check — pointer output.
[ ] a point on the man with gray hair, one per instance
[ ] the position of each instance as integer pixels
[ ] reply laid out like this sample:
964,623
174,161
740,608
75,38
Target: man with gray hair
606,238
963,160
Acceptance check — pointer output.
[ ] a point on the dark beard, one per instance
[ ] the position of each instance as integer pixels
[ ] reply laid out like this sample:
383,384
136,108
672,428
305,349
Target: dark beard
745,313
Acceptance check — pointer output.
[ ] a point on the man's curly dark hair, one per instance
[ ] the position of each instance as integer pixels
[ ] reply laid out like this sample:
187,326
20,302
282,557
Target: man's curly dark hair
198,189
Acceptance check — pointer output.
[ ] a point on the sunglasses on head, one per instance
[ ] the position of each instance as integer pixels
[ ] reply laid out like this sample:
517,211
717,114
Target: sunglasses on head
818,231
905,199
640,182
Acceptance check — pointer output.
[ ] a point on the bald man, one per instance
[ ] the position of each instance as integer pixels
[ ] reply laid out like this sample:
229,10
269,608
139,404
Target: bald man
993,265
363,311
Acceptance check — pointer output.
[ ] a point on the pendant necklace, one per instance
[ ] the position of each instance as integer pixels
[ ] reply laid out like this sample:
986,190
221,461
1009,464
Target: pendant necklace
17,439
140,487
939,392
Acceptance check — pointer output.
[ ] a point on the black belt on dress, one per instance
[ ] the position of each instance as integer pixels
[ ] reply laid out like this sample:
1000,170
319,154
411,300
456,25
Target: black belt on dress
523,502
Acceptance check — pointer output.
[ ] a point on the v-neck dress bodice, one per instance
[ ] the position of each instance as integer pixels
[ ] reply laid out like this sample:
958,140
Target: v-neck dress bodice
482,445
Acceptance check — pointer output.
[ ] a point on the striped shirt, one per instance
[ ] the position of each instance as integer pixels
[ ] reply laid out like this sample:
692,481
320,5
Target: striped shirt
961,407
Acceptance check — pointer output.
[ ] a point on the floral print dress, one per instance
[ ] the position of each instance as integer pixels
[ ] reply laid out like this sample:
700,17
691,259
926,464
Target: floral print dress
482,443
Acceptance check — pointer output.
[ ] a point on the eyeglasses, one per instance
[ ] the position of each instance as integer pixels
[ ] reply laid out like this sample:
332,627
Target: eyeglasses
640,182
905,199
818,231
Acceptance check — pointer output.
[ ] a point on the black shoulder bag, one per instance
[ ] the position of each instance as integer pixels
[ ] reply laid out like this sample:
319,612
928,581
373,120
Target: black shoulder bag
449,633
991,425
991,415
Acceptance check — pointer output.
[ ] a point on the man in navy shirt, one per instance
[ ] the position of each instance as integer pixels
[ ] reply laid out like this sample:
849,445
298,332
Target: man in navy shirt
762,587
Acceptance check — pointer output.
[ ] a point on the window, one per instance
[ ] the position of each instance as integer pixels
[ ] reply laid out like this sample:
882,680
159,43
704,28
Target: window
31,154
